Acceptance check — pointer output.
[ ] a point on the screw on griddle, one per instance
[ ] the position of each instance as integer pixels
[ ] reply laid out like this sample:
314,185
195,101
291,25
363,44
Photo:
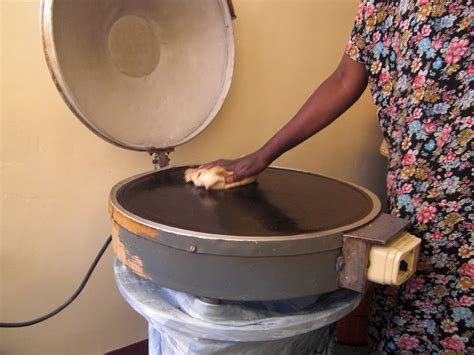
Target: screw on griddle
192,248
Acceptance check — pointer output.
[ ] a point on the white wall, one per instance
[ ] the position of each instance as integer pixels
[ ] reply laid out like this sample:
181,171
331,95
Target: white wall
55,175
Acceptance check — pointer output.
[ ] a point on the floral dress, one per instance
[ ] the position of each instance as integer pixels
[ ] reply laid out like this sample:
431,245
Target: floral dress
418,55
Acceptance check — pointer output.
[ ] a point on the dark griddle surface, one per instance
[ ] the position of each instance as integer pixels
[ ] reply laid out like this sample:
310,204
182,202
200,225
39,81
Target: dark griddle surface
283,202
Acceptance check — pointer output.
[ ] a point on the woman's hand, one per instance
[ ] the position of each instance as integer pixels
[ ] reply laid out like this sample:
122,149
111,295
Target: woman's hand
248,165
334,96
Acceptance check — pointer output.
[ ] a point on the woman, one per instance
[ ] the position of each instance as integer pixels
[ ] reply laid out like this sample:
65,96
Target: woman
416,57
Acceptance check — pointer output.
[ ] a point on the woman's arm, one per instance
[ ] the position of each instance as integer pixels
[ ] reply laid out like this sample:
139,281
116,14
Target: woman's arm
334,96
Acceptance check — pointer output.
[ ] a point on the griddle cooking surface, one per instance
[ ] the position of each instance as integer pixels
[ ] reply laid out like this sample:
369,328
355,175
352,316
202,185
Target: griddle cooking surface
282,203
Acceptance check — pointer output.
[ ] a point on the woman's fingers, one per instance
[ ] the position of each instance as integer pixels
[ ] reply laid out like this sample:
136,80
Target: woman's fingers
236,176
219,162
226,164
239,168
240,173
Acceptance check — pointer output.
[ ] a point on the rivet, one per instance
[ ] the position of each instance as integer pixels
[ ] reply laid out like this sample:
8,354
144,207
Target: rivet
192,248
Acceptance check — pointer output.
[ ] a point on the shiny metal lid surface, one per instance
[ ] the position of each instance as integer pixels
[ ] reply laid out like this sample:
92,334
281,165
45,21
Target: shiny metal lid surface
142,74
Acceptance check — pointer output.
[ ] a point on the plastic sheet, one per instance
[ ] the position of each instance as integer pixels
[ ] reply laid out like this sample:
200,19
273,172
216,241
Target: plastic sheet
180,323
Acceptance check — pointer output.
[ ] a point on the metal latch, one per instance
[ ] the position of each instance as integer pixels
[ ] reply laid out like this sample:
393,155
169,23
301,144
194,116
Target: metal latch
161,157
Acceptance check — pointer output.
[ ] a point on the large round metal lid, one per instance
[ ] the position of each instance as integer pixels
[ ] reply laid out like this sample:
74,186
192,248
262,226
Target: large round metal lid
142,74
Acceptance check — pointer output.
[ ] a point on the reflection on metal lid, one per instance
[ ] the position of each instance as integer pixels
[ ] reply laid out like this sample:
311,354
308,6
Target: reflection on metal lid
144,75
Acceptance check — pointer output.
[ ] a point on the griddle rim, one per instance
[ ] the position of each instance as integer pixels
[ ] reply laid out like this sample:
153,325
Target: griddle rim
222,244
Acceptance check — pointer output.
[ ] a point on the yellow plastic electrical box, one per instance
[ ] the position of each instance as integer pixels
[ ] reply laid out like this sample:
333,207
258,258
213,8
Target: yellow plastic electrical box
394,263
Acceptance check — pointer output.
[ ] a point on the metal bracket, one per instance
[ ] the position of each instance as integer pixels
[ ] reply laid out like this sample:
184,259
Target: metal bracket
161,157
356,247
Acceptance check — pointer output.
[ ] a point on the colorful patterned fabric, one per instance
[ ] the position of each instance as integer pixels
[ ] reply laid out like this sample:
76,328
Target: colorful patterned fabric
418,55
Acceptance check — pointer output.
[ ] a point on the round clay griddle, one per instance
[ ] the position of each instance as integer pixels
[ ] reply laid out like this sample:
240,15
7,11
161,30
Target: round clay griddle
279,238
282,203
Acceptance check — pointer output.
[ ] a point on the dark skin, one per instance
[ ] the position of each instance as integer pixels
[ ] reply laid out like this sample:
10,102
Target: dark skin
330,100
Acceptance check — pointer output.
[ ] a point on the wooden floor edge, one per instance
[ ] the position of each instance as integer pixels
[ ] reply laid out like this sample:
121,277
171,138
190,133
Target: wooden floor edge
140,348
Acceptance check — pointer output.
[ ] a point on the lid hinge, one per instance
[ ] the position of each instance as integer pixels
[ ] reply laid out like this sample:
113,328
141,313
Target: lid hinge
161,157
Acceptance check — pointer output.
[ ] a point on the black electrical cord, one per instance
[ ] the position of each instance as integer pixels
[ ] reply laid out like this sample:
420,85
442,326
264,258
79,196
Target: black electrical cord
69,301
